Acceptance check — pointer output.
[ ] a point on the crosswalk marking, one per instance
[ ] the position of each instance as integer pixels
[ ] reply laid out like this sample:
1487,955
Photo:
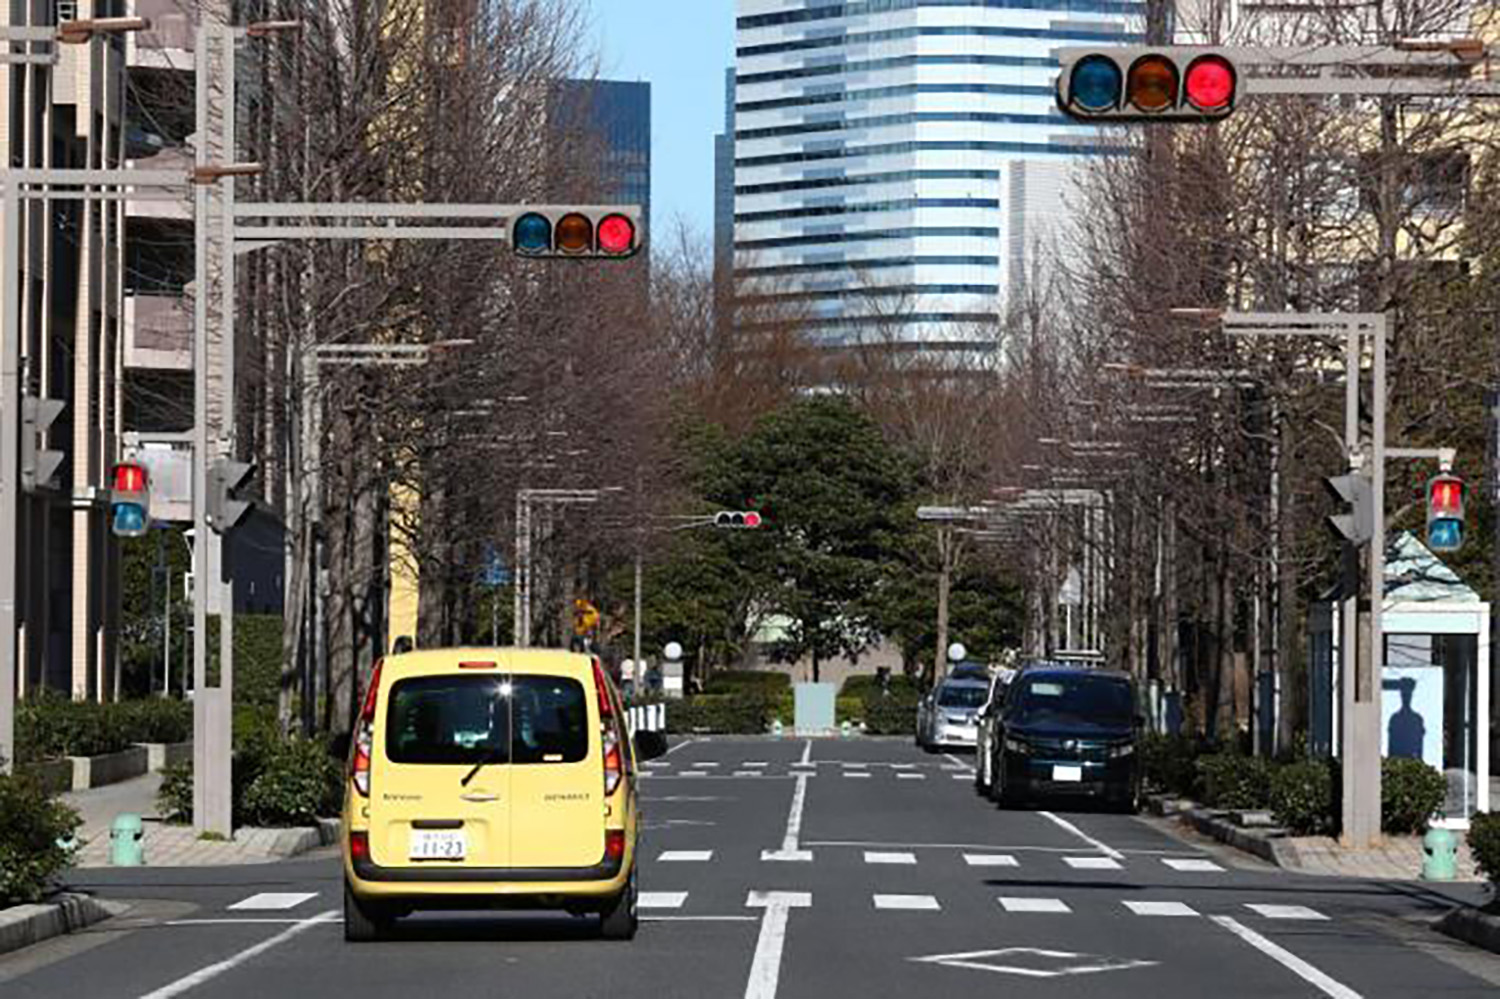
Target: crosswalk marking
855,773
911,776
756,763
658,764
910,903
1286,912
662,899
1161,909
705,766
694,773
1194,866
903,766
687,856
991,860
748,773
1092,863
855,766
968,776
878,857
273,900
1033,905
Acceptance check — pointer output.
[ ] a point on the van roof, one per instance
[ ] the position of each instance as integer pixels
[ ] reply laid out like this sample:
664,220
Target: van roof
548,662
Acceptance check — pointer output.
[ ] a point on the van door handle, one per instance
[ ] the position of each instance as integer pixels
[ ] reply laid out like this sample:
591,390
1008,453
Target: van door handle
479,796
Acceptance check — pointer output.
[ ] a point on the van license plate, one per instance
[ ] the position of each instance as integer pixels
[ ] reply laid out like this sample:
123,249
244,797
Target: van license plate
1070,774
432,844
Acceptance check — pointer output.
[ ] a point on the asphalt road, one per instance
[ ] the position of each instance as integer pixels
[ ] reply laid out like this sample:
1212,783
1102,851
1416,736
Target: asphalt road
802,870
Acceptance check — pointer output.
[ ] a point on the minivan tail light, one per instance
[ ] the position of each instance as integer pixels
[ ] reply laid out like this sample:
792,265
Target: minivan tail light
601,687
614,844
359,846
609,733
364,736
614,767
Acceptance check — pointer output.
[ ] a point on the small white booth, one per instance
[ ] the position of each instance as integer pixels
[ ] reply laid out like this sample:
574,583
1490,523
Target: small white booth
1435,676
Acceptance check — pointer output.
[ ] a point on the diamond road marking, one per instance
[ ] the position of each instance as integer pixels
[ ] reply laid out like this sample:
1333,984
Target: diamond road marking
1161,909
274,900
1092,863
662,899
910,903
990,860
687,856
911,776
1081,964
1287,912
1194,866
876,857
1033,905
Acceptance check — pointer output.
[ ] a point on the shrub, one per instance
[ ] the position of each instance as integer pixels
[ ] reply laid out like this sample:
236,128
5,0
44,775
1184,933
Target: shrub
721,714
298,782
1169,763
33,825
1235,782
891,715
156,719
174,798
1484,844
50,725
1302,797
1411,792
867,685
765,682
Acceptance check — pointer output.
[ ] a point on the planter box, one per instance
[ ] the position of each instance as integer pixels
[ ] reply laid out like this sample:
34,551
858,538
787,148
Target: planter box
160,755
55,775
96,771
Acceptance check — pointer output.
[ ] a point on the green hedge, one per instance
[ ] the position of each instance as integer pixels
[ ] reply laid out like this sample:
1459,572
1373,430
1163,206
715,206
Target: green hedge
1484,844
1235,782
866,685
765,682
50,725
1304,797
33,825
1411,792
722,714
1169,763
277,782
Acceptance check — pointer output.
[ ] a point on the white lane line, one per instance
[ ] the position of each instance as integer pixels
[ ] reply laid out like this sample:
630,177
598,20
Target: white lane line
909,903
686,856
243,921
903,776
1092,863
705,766
1287,912
698,919
968,776
748,773
903,766
1033,905
754,764
990,860
1191,865
270,900
1099,845
958,762
790,851
661,899
806,754
875,857
855,766
680,745
658,764
695,773
765,967
856,773
1328,986
213,971
1161,909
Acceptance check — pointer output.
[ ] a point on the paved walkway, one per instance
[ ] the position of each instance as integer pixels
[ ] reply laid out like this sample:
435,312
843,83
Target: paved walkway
1398,858
166,845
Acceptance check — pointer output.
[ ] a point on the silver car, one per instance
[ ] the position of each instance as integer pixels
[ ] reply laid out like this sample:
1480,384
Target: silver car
946,716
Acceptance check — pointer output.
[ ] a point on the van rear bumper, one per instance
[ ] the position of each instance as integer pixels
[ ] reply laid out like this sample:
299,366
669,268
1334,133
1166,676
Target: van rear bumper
368,870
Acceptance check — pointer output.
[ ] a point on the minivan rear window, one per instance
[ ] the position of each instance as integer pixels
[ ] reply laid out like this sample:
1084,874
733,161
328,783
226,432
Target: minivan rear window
495,719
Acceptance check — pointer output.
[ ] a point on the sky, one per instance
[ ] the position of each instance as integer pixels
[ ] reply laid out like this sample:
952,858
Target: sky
681,47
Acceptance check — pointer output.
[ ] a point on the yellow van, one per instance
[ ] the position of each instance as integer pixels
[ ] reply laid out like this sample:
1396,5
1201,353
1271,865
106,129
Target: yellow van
490,778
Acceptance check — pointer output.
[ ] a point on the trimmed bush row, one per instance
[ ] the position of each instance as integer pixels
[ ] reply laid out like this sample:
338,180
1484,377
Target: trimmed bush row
1303,795
746,703
50,726
277,782
33,827
1484,843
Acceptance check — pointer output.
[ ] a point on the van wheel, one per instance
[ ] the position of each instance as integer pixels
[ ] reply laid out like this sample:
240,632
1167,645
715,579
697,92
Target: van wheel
619,919
364,921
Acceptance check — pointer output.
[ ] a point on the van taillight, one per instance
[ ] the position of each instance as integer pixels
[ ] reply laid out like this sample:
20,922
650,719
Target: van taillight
601,687
364,736
609,733
359,845
614,844
614,767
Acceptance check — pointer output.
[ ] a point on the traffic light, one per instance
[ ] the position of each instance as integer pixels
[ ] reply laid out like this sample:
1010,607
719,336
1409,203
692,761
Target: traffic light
1445,513
1357,525
737,519
38,464
225,510
613,232
1143,83
129,500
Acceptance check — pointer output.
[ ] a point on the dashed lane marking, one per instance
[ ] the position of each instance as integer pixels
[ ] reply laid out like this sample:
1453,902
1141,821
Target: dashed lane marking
1161,909
991,860
212,971
904,776
856,773
963,776
662,899
855,766
1191,865
909,903
686,856
273,901
1092,863
876,857
1287,912
1033,904
753,764
748,773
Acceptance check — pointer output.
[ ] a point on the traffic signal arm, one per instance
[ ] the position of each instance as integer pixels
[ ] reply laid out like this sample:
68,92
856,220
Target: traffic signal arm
1131,83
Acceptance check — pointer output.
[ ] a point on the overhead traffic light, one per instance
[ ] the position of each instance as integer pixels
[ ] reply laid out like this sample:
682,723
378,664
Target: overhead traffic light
738,519
1144,83
1356,525
225,510
38,463
1445,513
129,500
582,233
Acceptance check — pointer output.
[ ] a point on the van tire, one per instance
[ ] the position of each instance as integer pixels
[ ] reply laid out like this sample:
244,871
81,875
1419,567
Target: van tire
619,919
364,921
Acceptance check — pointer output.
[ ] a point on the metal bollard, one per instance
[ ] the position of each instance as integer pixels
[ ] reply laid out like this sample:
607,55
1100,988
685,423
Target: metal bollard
127,841
846,729
1440,855
776,728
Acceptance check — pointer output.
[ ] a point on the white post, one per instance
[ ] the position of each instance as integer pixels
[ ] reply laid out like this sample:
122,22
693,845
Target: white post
10,466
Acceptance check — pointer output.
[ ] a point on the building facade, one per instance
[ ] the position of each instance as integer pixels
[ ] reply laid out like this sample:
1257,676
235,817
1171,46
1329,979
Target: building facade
617,115
899,163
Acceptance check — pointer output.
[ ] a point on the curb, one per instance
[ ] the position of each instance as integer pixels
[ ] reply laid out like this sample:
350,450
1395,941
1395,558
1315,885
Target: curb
292,842
1267,844
1473,927
24,925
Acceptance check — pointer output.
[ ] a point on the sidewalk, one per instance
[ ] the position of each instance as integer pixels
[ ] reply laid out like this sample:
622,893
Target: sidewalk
1398,858
170,845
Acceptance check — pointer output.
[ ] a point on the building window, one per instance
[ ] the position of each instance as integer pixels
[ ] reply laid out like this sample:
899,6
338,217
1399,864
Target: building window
66,10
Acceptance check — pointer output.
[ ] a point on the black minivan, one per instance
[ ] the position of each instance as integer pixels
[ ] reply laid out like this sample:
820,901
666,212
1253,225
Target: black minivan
1067,731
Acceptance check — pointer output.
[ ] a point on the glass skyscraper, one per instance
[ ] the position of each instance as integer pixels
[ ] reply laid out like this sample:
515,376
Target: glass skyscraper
904,158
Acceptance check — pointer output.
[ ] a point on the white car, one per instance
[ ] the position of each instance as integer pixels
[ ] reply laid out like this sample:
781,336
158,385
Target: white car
946,716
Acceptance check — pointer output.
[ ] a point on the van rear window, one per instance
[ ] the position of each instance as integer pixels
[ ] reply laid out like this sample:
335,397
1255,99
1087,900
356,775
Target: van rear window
497,719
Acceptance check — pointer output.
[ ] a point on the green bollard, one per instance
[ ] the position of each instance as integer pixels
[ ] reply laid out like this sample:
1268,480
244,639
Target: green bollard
127,841
776,728
1440,855
846,728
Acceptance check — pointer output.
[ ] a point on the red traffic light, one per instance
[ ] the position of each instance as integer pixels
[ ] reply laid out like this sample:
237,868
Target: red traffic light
1146,83
605,231
752,519
1445,497
616,235
1210,83
129,478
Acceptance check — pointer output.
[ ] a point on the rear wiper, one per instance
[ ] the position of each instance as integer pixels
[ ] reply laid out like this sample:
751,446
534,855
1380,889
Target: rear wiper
493,756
